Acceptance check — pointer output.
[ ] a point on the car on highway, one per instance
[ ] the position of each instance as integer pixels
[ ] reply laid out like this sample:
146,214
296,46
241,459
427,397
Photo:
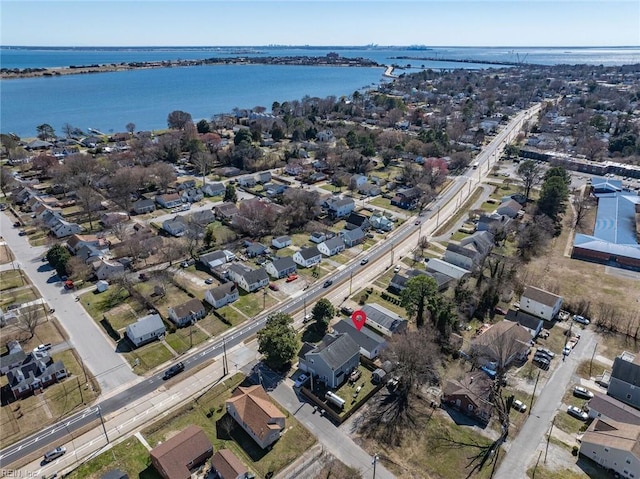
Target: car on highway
582,392
577,413
580,319
54,454
327,283
417,222
364,261
302,379
519,405
173,370
42,348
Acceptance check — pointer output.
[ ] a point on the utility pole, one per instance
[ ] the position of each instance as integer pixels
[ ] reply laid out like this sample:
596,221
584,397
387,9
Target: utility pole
224,357
534,392
264,299
351,280
392,246
375,460
548,439
99,411
305,307
80,389
592,356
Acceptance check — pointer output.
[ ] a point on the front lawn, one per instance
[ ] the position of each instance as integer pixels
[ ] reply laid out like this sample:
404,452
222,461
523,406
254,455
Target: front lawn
12,279
185,338
251,304
129,456
149,356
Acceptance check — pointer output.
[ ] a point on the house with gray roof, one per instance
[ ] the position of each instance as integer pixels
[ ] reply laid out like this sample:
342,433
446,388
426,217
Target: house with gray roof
371,344
352,238
214,189
509,208
480,241
14,357
307,257
176,226
187,313
399,280
466,258
216,258
607,407
248,279
382,320
145,330
446,268
222,295
144,205
35,373
281,242
281,267
624,384
341,208
169,200
540,303
332,360
332,246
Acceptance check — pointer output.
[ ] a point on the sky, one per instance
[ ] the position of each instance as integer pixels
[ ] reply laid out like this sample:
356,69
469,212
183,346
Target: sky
320,22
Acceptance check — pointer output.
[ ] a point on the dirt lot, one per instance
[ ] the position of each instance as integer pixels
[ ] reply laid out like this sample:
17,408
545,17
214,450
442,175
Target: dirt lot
579,281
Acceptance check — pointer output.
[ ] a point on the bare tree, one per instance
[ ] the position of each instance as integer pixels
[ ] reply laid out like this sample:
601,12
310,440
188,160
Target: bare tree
203,161
581,206
28,320
89,199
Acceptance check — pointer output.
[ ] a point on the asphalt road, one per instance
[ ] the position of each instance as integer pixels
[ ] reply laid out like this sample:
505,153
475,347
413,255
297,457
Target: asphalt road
447,203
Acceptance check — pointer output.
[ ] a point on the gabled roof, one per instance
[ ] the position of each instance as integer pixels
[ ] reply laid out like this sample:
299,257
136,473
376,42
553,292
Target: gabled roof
365,338
525,320
476,387
256,410
333,243
227,464
627,371
352,235
356,219
176,453
341,202
614,434
464,251
223,290
614,409
185,309
382,316
146,325
284,263
309,253
336,349
540,296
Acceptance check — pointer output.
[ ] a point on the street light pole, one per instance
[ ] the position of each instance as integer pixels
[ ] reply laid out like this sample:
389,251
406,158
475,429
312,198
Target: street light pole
375,460
350,282
224,357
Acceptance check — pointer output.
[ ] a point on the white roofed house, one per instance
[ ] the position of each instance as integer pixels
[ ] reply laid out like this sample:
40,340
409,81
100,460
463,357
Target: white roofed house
222,295
248,279
62,228
444,267
308,257
187,312
332,246
540,303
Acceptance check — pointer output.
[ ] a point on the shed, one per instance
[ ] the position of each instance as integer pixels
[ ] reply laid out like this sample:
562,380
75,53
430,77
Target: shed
102,286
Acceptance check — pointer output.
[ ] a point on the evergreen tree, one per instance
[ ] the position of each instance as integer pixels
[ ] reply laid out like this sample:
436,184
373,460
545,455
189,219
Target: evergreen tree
277,341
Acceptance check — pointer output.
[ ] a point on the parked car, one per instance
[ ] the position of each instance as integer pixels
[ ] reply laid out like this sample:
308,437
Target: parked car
581,392
273,287
143,277
346,310
546,351
540,355
42,348
327,283
396,269
302,379
364,261
417,223
566,351
580,319
519,405
577,413
54,454
307,318
68,284
292,277
499,310
541,362
17,224
22,233
173,370
208,281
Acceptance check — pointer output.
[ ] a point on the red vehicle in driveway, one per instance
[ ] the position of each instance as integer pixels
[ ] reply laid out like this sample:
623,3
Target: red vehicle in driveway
68,284
292,277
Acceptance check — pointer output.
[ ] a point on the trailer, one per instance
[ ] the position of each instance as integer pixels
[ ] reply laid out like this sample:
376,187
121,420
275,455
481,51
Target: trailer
335,399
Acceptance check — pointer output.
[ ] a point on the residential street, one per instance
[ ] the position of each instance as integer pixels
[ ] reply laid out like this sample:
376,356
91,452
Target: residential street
98,353
523,450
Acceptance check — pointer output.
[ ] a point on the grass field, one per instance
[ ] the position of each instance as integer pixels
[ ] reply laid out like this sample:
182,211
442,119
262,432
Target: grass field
149,357
12,279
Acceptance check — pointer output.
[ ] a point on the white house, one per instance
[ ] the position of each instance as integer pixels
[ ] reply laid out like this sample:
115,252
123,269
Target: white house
248,279
342,207
62,228
145,330
222,295
307,257
106,269
331,246
317,237
170,200
281,242
613,446
281,267
540,303
441,266
187,312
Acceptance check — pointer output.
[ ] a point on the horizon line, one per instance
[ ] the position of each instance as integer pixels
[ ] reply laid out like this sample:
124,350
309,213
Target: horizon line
371,45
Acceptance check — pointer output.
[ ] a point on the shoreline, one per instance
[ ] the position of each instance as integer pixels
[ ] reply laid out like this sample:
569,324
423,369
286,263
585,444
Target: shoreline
331,60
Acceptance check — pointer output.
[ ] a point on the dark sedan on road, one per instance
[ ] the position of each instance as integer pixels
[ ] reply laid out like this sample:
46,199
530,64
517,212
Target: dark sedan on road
173,370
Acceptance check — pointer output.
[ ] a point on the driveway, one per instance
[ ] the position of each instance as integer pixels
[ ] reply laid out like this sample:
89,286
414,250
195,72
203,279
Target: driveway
334,439
97,352
521,452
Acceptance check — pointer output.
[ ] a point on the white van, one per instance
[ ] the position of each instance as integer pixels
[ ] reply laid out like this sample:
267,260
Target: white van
54,454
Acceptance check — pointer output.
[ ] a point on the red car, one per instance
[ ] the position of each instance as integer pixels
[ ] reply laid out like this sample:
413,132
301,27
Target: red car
68,284
292,277
273,287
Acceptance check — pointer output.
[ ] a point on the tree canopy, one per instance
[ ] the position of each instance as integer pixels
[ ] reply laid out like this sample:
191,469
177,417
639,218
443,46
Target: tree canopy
322,313
415,297
530,173
277,341
58,256
230,193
